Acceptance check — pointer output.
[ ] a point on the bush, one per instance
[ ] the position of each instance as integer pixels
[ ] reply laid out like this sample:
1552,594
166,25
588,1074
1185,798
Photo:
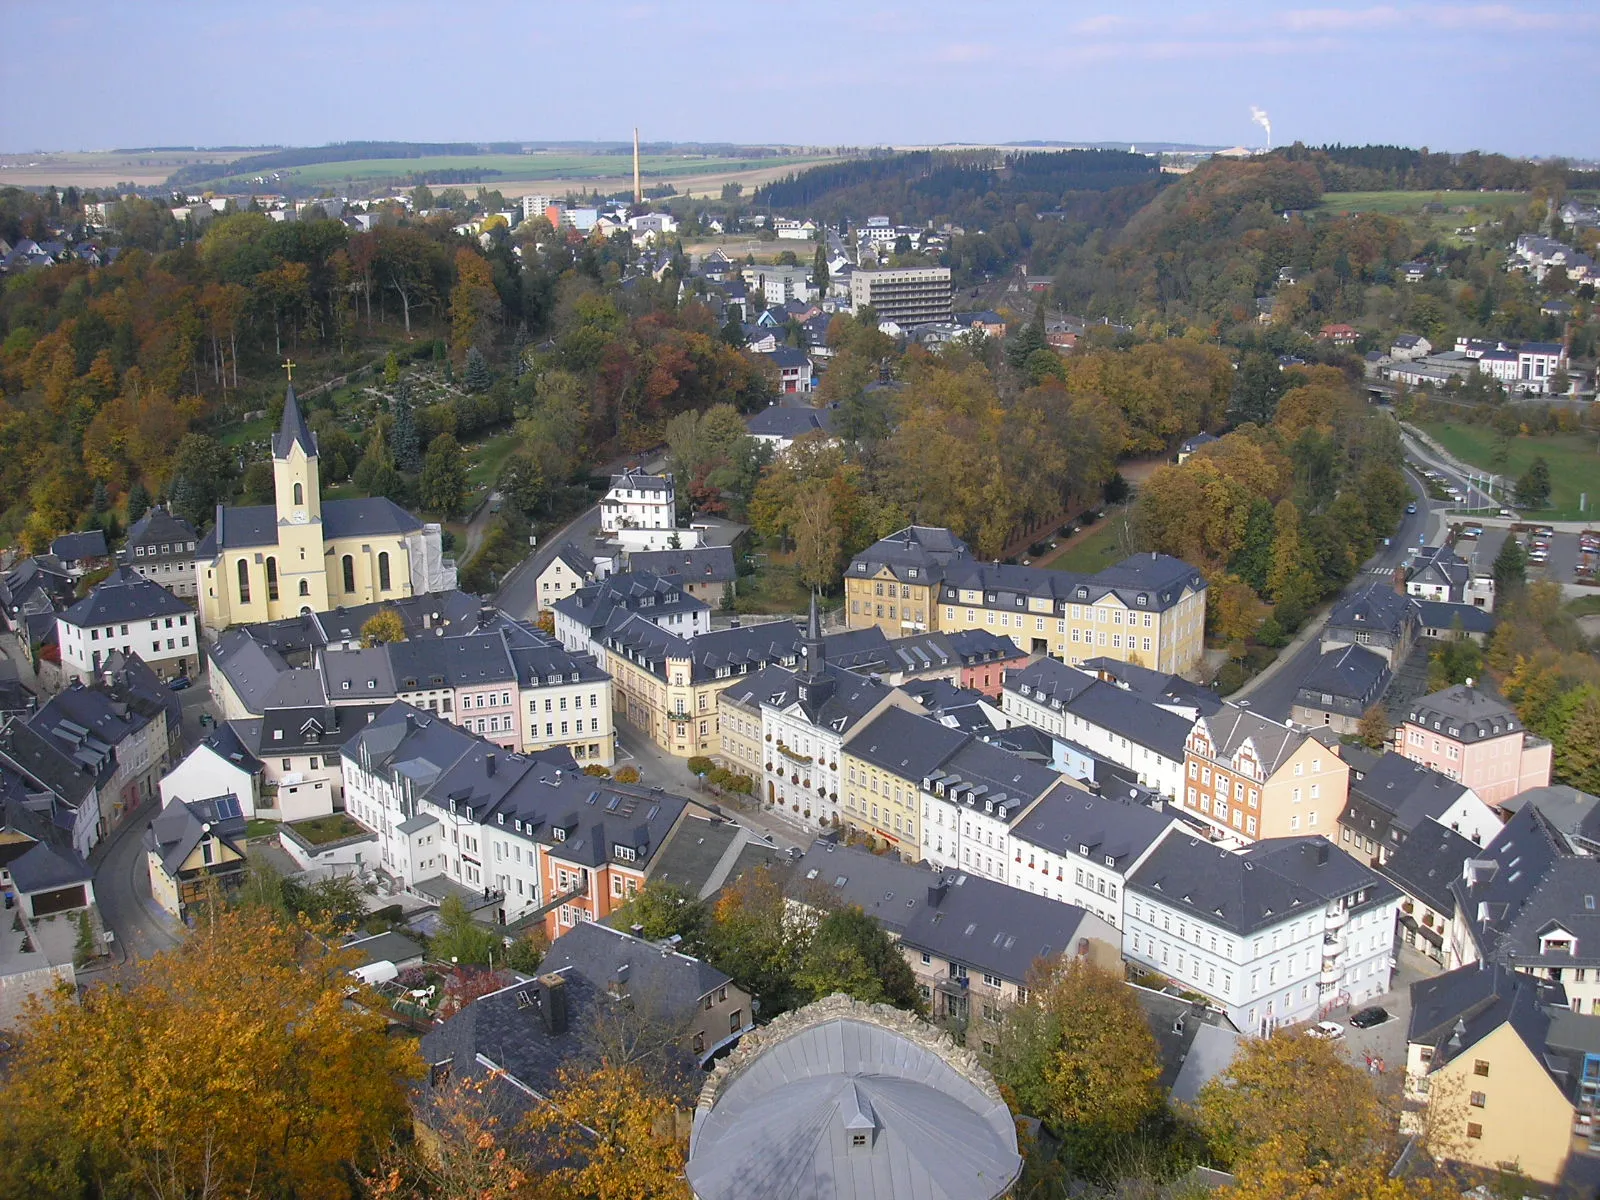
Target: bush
1231,678
627,775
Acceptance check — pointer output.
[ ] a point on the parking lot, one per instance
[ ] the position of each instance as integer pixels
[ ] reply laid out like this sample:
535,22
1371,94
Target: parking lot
1564,558
1386,1043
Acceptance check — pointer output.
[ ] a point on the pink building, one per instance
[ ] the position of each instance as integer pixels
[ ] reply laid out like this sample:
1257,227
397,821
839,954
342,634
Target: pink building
1475,738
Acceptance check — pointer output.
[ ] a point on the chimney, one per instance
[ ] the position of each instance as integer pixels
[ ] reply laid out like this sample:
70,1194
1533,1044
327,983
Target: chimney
488,765
936,893
552,990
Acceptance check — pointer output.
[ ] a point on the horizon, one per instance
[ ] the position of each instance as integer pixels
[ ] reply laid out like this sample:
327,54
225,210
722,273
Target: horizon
1435,76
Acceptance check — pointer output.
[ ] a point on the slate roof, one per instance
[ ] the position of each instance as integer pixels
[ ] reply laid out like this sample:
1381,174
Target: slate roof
789,422
703,564
361,672
850,698
1070,820
1211,1053
741,648
1376,606
954,707
35,755
1427,863
158,528
1048,681
1109,707
385,947
124,595
293,430
181,826
692,854
1574,814
641,482
74,547
1471,712
889,890
1408,792
1158,687
1230,726
1271,882
919,553
608,603
245,526
1453,1012
667,980
250,668
787,357
1440,614
906,744
997,929
1352,676
87,726
778,1121
225,744
979,776
44,867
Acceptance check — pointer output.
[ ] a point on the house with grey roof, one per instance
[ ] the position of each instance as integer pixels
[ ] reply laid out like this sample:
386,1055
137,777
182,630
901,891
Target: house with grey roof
81,553
1573,813
1378,619
161,547
47,878
1391,797
847,1101
124,745
31,594
193,847
62,788
1339,689
1271,935
971,801
708,573
128,612
1423,867
1443,621
882,765
781,425
1470,734
584,618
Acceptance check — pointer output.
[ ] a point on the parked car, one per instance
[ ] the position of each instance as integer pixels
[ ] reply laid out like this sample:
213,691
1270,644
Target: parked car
1368,1017
180,683
1412,507
1327,1031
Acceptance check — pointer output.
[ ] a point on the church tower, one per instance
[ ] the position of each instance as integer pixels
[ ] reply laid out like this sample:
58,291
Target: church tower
813,683
296,578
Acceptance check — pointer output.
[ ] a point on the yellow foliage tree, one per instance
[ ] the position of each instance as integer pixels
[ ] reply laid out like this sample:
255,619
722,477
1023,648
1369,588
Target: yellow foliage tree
615,1134
382,627
230,1066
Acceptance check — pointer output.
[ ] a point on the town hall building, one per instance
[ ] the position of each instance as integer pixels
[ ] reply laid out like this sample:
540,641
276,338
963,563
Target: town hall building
303,555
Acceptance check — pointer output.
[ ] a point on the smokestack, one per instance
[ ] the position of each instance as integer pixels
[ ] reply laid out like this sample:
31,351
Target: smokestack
1261,119
638,192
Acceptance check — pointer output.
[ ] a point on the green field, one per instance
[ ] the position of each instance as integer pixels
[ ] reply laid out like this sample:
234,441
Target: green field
1102,546
1574,462
516,167
487,459
1397,203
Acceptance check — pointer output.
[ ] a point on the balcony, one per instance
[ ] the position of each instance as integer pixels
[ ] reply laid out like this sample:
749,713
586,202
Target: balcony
1329,976
1334,944
1337,918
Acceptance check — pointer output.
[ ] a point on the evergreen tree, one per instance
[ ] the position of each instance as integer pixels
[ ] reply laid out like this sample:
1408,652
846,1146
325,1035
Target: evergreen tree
102,500
1533,489
444,476
407,441
476,376
1510,568
138,502
184,502
819,268
1027,340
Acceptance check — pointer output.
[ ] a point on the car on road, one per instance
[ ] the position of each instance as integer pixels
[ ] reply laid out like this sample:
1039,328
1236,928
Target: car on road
1368,1017
1327,1031
1412,507
180,683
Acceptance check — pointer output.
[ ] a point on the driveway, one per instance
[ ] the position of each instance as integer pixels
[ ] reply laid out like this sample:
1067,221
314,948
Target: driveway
1386,1042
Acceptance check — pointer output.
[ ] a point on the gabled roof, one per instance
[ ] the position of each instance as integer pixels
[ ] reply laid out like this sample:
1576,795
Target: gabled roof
159,527
1231,726
44,867
906,744
1453,1012
1070,820
1158,687
992,927
666,979
1352,676
608,603
124,595
1427,863
980,776
1441,614
1109,707
73,547
788,421
182,825
1376,606
703,564
917,552
1408,791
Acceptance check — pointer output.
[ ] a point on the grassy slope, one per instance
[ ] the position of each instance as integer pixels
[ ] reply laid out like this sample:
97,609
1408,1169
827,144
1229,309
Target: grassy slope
1574,464
1410,202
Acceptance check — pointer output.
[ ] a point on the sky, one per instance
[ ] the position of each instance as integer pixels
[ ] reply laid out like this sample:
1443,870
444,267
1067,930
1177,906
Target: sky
1520,78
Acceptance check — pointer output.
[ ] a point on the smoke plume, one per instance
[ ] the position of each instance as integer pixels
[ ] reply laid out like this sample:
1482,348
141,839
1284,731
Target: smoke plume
1261,119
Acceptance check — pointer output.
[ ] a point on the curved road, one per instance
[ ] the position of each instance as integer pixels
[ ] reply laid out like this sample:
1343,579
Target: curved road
122,890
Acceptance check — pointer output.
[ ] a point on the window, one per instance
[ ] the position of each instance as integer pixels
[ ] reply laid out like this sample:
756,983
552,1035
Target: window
383,571
1479,1100
305,587
1480,1066
299,494
244,582
349,565
1474,1130
272,579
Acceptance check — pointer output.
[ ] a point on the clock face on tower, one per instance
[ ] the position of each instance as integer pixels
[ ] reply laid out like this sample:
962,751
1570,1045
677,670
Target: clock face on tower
300,517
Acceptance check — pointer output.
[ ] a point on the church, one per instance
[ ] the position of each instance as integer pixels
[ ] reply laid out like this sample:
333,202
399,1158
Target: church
301,554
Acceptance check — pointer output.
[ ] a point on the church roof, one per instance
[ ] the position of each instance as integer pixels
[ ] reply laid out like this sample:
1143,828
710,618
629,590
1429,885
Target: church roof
257,524
294,429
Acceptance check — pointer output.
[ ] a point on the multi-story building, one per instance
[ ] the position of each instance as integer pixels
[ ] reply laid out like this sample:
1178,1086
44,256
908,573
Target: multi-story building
1392,797
536,206
1113,722
1079,848
300,555
666,686
971,801
884,763
133,615
1526,902
905,295
1340,689
161,547
780,284
1250,777
1273,935
118,740
1377,619
1503,1071
565,573
894,583
584,618
526,833
1424,867
708,573
641,511
1470,736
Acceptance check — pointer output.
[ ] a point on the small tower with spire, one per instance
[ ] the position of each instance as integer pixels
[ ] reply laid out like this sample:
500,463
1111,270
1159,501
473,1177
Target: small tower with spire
813,683
296,576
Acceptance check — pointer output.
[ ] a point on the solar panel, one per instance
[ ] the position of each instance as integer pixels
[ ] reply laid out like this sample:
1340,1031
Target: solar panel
228,806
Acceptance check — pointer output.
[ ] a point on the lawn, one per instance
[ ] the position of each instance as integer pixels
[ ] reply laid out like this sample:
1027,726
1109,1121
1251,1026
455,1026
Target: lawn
1574,463
488,458
256,827
1101,546
1395,203
319,831
775,588
1584,606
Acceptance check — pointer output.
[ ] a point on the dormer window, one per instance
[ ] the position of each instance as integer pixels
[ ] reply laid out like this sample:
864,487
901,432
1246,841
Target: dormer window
1083,593
1143,599
559,834
911,572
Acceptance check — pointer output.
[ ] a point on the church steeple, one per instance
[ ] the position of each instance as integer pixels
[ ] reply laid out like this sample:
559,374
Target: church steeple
293,430
813,682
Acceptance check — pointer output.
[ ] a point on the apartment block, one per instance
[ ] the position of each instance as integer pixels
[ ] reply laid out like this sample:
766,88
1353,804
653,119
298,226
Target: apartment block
906,296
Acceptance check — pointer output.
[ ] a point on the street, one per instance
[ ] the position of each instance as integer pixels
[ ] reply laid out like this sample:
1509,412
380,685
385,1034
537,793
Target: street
1272,692
122,891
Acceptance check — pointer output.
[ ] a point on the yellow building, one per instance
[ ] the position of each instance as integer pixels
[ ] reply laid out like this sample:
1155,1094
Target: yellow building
1149,609
883,764
667,686
1503,1068
193,849
301,555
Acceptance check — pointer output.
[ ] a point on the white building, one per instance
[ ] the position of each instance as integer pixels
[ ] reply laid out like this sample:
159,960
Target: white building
1080,848
583,617
970,803
536,206
218,766
641,511
135,615
1274,936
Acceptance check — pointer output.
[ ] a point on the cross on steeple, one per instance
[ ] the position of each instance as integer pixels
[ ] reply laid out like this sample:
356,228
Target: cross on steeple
288,365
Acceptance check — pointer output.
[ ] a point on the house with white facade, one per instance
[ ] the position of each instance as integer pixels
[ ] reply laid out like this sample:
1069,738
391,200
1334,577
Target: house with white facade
970,803
135,615
641,512
218,766
1080,848
583,618
1273,936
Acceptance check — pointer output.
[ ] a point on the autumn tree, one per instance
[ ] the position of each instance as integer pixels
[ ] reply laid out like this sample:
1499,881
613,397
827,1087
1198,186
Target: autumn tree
382,627
663,910
848,951
444,476
1079,1055
474,303
609,1134
1375,727
751,939
231,1065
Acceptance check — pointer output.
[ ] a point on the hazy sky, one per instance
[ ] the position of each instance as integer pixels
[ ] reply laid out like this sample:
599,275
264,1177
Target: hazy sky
1521,77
